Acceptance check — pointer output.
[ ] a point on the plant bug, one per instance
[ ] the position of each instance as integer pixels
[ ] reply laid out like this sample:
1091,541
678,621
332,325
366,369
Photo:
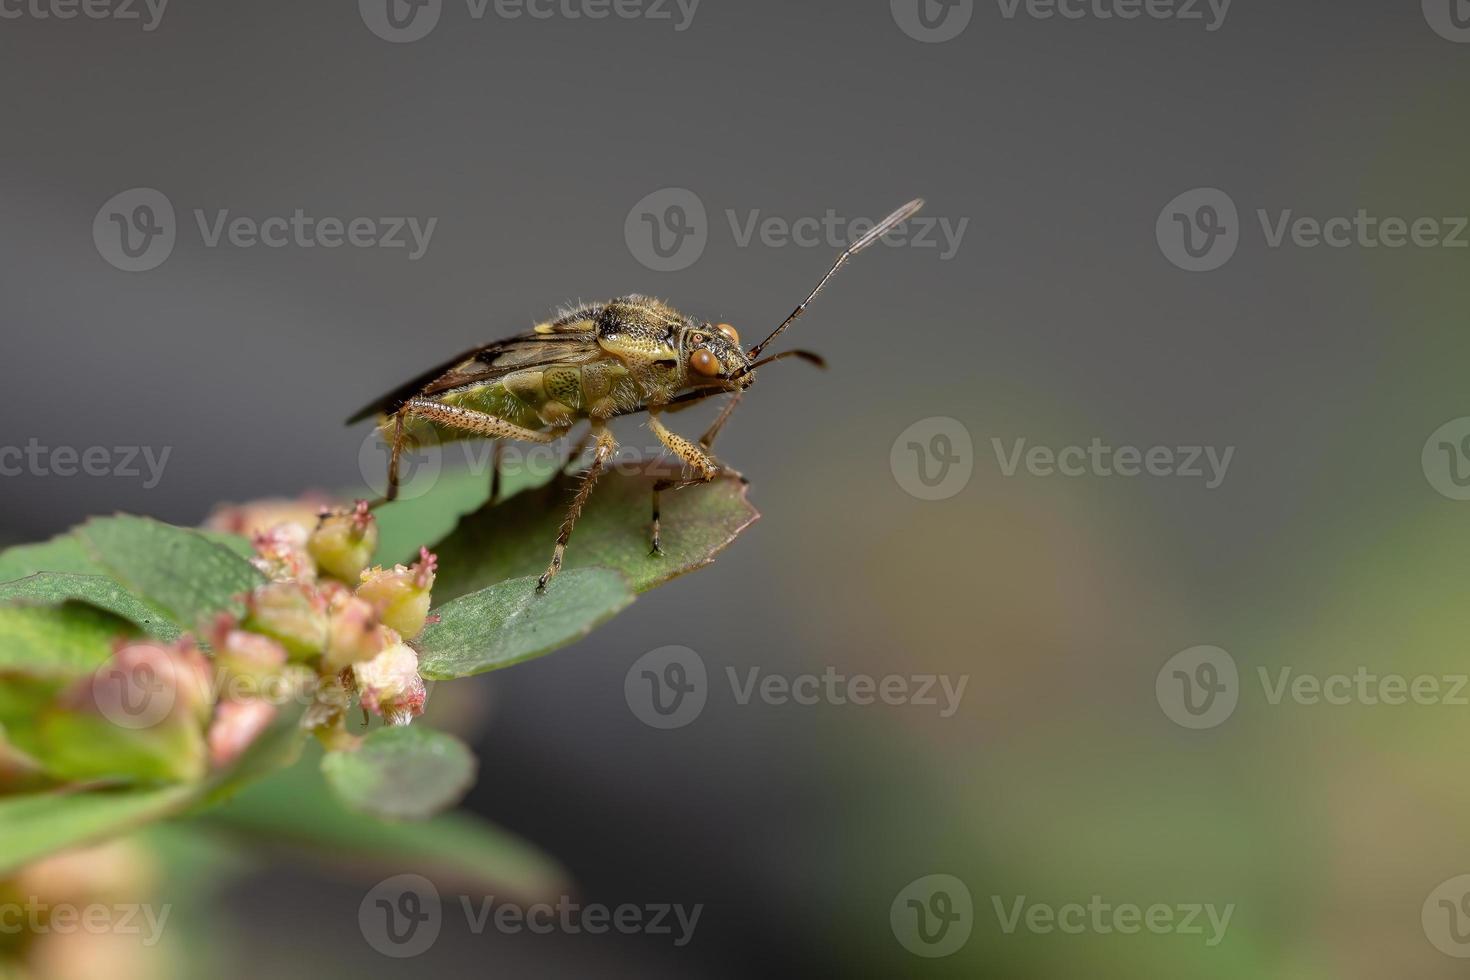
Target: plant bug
595,362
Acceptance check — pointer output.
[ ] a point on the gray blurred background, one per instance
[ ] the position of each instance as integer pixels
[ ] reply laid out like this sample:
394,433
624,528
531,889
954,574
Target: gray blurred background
1051,146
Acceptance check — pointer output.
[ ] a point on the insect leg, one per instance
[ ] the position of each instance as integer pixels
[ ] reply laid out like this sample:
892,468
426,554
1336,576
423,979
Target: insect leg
691,454
655,549
394,452
495,471
466,420
577,449
707,440
606,444
393,456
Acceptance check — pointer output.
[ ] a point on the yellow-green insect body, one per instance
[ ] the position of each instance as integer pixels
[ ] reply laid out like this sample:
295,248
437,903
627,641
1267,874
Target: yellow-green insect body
592,362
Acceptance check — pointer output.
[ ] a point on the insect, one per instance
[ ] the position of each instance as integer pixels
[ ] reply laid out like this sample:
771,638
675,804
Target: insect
595,362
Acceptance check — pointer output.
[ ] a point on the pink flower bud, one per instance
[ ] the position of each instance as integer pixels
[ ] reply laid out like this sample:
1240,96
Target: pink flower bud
293,614
328,706
146,683
247,663
140,716
249,519
401,595
343,543
236,725
390,685
355,633
281,555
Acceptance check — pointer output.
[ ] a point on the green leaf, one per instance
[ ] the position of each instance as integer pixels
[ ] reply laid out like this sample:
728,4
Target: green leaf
57,588
515,538
295,807
408,772
232,543
38,824
508,623
79,746
179,570
57,641
63,553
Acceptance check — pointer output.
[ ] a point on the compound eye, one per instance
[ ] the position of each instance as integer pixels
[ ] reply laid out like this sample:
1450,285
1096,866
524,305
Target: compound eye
729,333
705,363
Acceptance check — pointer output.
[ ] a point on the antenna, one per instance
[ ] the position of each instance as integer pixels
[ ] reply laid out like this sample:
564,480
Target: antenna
876,232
